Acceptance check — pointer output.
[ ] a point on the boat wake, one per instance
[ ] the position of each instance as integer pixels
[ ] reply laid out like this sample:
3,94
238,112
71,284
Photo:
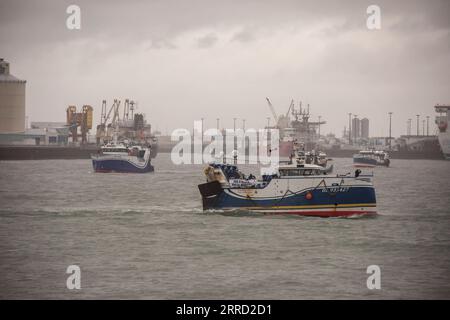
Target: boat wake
98,211
252,214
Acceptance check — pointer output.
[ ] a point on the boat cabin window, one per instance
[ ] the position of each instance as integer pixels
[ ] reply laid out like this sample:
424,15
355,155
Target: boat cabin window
298,172
115,150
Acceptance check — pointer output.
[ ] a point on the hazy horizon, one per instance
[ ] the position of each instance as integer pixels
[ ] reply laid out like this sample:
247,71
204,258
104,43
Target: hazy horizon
182,61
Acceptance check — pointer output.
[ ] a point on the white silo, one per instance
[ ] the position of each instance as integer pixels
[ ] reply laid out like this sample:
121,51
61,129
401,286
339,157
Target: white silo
12,101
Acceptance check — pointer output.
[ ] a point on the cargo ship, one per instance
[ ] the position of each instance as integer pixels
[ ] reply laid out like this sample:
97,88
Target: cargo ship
295,127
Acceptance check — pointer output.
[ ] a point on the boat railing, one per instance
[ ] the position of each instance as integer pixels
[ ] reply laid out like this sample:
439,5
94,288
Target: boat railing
350,175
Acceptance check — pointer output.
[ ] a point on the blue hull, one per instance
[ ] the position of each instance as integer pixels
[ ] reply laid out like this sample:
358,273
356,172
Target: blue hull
117,165
369,162
312,201
355,195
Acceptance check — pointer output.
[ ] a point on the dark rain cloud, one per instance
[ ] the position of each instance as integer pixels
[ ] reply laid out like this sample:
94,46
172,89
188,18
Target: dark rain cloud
244,36
207,41
403,67
24,21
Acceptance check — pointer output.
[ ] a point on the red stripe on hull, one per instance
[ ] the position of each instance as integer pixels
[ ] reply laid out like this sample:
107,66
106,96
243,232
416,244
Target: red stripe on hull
112,171
328,214
363,166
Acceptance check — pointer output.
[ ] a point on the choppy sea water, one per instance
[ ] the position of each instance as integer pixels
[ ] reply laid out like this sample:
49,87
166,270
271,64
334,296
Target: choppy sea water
145,236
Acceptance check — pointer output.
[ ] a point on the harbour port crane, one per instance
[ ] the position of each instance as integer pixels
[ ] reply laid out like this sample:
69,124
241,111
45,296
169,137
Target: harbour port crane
82,120
102,130
124,125
281,121
114,108
272,109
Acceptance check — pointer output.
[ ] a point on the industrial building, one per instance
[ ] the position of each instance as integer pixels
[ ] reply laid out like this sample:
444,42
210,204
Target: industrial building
12,101
356,128
365,128
359,129
13,130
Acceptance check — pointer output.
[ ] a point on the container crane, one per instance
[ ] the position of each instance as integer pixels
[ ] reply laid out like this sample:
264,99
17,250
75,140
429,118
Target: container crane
290,107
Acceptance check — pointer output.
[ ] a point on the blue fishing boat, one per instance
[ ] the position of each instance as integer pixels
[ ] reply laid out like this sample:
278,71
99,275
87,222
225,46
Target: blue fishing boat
121,158
371,158
296,188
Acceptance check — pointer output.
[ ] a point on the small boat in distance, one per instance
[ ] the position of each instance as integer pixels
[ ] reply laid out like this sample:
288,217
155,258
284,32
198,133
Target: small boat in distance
117,157
319,159
371,158
301,189
299,156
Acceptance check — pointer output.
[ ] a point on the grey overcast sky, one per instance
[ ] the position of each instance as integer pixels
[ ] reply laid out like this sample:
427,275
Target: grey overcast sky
183,60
